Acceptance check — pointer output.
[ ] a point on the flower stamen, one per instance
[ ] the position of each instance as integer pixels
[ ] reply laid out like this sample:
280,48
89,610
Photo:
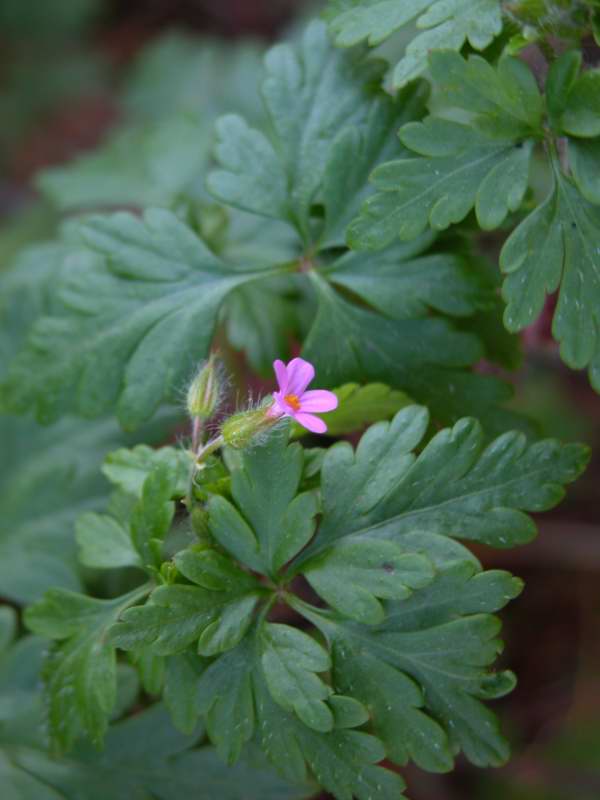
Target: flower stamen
293,402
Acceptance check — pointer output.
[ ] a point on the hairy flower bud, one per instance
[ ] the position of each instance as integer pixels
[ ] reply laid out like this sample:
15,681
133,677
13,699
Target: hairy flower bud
204,391
240,429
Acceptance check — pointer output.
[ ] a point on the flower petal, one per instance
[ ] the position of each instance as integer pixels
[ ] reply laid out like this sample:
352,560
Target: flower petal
318,400
299,373
278,408
281,374
310,422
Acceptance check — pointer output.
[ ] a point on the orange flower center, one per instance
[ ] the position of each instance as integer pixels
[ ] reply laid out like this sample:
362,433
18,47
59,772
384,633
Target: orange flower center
292,401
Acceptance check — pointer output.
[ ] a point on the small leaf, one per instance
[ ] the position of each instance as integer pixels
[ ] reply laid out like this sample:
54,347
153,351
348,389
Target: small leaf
153,514
423,669
128,468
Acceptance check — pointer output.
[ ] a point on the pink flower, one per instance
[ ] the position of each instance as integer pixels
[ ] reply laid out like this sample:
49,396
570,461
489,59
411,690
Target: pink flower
292,399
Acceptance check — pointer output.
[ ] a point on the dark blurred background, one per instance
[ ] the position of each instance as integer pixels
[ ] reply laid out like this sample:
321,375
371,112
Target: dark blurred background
66,80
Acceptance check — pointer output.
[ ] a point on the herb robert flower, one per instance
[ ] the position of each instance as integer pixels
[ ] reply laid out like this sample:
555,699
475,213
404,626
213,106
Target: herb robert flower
292,399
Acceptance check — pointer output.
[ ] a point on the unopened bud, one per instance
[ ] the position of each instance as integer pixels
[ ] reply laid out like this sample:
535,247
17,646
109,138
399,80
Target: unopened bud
239,430
204,392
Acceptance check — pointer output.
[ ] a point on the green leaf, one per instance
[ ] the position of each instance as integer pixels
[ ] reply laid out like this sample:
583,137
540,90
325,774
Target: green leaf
344,762
352,575
151,670
321,106
150,165
261,321
402,284
562,74
134,538
104,542
80,670
584,156
428,665
181,690
422,357
271,522
48,478
482,164
178,615
238,703
554,248
360,405
457,486
129,468
143,755
164,78
152,516
581,115
26,292
290,660
134,320
444,23
225,696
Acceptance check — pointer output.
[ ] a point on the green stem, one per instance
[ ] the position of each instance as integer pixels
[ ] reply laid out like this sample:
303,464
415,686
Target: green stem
199,457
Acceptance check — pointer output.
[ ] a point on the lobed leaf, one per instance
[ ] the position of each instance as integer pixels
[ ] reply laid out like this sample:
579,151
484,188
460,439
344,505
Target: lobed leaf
554,249
444,23
457,486
352,575
134,320
269,523
482,163
177,615
322,108
424,670
80,671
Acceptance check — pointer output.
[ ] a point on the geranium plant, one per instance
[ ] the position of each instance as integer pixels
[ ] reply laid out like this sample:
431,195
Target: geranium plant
277,595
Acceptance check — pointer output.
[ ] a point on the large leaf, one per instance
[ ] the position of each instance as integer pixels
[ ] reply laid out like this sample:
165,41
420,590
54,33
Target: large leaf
457,166
48,477
425,669
444,23
134,320
324,114
457,486
143,758
147,166
239,703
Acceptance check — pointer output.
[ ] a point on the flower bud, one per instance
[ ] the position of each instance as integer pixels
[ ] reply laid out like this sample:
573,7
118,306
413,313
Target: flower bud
205,391
240,429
